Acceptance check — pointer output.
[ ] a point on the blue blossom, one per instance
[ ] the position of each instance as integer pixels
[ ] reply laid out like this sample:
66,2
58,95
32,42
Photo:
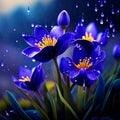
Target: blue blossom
116,51
30,79
90,33
63,19
45,45
86,64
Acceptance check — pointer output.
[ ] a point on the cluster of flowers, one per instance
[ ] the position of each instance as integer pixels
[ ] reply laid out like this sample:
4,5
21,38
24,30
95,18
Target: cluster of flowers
86,64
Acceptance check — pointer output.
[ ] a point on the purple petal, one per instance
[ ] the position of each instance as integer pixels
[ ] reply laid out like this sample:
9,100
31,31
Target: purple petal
79,53
40,32
82,79
79,31
93,74
68,68
24,72
102,38
30,40
37,76
63,43
45,54
56,32
30,52
91,28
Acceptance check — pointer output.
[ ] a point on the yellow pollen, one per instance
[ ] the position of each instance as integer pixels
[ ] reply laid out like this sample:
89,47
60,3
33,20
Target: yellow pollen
46,41
24,79
88,37
84,64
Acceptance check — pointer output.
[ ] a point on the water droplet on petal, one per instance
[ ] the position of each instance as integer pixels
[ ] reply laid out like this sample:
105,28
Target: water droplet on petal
118,11
111,24
14,29
101,4
76,6
46,26
105,1
113,30
113,35
16,41
23,34
33,60
82,19
6,50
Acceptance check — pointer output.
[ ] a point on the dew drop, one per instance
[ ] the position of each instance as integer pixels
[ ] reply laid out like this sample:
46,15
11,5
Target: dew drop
46,26
6,50
82,19
102,14
113,30
96,9
113,11
101,4
23,34
32,25
118,11
105,1
107,20
101,21
28,10
113,35
84,87
25,66
14,29
33,60
2,64
111,24
16,41
76,6
88,4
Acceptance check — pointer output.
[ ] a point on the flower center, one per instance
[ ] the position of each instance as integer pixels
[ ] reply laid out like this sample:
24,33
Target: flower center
46,41
84,64
24,79
88,37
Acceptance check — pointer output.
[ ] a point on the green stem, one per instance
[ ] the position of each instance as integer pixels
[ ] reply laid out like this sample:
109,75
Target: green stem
87,95
58,73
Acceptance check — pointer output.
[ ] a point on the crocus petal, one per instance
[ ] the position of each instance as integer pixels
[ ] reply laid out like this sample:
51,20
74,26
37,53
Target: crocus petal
56,32
63,43
82,79
30,40
91,28
45,54
37,76
88,46
30,52
99,66
93,74
40,32
79,31
79,53
67,67
24,72
102,39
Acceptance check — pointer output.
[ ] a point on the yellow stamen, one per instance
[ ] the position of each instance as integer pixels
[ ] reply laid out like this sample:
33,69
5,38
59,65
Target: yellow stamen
24,79
46,41
84,64
88,37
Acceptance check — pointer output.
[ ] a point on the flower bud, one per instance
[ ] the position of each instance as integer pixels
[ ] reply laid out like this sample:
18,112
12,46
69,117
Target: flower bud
116,51
63,19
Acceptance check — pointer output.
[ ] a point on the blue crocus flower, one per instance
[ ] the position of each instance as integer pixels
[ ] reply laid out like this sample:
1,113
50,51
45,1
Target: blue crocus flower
63,19
116,51
91,32
86,64
28,79
45,45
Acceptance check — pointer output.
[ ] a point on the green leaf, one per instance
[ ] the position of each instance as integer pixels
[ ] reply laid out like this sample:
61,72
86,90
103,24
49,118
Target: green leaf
34,114
100,90
54,110
66,103
36,106
17,107
116,84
